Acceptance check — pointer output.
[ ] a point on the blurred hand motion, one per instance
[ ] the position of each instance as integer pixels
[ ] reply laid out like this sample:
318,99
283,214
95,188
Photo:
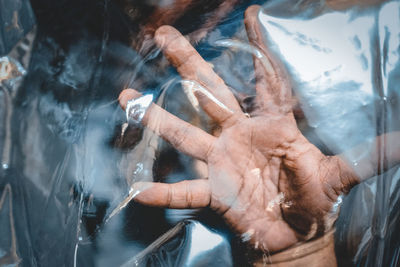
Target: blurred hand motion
268,182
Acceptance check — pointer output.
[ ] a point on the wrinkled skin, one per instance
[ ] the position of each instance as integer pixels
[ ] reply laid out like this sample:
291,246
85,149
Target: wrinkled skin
267,181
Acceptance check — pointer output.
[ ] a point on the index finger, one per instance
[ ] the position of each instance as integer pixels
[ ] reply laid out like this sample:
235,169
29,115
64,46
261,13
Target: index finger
191,66
183,136
187,194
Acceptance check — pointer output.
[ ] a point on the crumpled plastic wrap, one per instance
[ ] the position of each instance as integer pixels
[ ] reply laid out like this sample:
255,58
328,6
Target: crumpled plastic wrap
16,20
343,58
69,157
189,243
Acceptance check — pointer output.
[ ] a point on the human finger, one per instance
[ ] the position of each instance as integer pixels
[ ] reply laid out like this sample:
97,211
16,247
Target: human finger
186,194
191,66
271,82
180,134
217,111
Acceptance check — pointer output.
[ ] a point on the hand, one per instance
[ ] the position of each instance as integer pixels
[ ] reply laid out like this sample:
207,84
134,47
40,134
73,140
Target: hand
266,180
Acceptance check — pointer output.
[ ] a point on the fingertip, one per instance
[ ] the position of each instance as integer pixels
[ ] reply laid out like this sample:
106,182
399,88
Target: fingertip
250,21
252,11
139,189
164,35
127,95
165,29
175,47
142,186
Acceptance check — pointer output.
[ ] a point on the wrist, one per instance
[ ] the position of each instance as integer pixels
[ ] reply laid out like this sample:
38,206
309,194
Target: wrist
316,252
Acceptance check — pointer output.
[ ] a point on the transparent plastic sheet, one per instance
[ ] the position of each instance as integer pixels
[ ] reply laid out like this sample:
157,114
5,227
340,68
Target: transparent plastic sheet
67,189
72,158
17,19
343,59
13,68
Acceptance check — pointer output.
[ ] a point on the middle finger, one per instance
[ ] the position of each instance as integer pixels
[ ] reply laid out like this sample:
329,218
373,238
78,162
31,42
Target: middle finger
191,66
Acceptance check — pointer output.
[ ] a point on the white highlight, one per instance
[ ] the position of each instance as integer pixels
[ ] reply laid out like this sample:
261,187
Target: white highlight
136,108
193,86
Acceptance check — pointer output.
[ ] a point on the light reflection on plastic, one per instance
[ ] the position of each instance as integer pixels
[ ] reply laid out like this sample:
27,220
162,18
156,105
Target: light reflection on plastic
234,44
10,69
203,241
193,86
317,48
122,205
136,108
329,59
389,26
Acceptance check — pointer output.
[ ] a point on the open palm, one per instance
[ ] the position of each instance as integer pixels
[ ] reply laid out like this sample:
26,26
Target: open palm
266,180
